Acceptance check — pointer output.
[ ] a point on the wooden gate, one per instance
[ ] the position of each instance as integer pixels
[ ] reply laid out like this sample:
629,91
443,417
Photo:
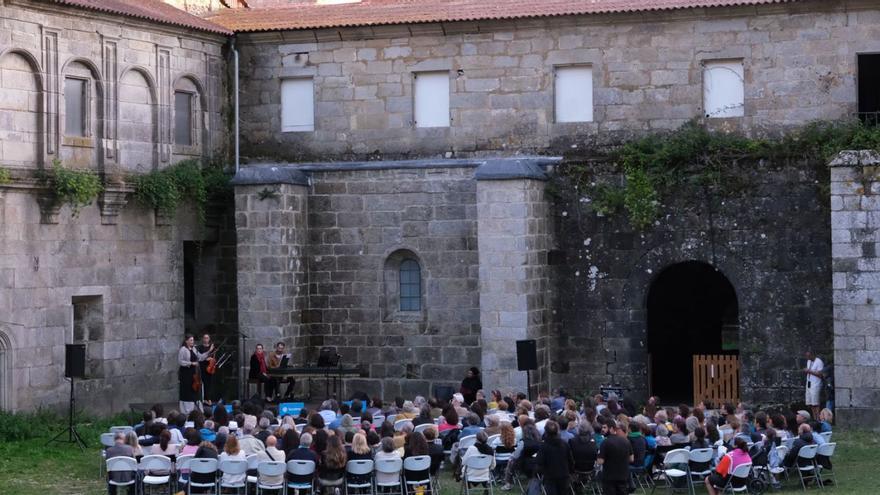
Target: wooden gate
716,378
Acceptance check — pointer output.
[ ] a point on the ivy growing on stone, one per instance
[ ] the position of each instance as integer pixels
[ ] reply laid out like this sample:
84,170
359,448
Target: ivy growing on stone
77,188
188,180
5,177
653,166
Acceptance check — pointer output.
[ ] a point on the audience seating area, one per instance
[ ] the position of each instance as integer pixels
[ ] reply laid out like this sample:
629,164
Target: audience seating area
497,443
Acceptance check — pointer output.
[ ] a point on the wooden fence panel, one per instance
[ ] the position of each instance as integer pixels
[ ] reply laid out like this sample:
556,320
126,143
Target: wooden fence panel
716,378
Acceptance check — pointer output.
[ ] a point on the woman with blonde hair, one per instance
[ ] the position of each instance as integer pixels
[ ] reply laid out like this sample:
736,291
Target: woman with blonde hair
131,439
826,417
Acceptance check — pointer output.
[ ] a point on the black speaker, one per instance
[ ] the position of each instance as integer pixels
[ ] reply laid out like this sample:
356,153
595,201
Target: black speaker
75,361
526,355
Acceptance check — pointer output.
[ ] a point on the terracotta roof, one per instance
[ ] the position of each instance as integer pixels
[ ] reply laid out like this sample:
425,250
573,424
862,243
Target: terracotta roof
309,15
151,10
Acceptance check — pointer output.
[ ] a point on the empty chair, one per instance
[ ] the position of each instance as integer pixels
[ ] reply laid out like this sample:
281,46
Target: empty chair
476,469
157,472
391,468
700,463
824,453
416,472
806,465
122,471
301,475
359,476
203,475
676,470
181,468
739,479
233,474
270,476
398,425
253,461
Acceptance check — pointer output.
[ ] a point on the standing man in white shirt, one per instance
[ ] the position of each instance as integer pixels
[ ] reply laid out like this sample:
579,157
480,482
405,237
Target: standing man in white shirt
814,381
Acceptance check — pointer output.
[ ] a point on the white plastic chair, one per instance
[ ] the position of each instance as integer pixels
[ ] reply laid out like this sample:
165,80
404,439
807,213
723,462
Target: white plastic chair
270,468
389,466
253,461
700,457
421,428
493,440
740,477
360,467
808,453
301,468
398,425
107,440
122,465
826,435
391,418
155,463
672,473
476,463
202,466
378,419
413,465
233,467
826,450
181,463
121,429
465,442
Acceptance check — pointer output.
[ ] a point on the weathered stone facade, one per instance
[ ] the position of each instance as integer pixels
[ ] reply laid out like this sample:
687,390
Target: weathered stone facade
114,272
855,217
799,61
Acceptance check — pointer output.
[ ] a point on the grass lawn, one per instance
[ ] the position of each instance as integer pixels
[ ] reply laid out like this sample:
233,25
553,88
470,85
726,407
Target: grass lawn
30,467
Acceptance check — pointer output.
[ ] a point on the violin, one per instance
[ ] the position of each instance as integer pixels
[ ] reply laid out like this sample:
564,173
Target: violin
197,379
212,365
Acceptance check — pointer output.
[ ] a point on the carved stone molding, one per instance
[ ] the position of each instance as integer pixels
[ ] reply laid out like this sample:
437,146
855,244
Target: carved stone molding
50,207
112,200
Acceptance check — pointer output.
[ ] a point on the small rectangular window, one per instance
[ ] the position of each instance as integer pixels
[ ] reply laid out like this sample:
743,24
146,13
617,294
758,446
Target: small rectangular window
574,94
183,118
869,82
723,88
298,105
431,95
74,107
410,286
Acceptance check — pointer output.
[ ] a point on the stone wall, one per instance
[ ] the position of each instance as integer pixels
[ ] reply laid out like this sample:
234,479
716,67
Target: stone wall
117,263
760,226
855,218
799,59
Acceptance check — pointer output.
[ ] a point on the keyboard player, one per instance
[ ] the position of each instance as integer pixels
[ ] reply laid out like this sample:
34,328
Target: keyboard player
279,359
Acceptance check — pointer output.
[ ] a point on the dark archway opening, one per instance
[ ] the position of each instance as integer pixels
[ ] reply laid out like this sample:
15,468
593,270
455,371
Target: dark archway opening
692,309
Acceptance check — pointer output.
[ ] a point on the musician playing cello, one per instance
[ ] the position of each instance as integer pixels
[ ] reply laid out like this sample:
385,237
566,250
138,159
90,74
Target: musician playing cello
205,350
275,360
188,359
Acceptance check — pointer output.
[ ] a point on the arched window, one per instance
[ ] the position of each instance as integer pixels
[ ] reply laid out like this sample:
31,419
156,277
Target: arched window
410,285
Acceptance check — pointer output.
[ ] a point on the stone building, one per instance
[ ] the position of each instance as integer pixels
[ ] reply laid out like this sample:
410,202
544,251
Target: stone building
400,196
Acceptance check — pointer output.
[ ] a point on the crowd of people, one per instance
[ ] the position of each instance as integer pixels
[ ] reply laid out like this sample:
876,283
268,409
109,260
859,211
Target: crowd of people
549,442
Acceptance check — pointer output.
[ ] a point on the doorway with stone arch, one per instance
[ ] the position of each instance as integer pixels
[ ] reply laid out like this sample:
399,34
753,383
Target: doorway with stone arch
692,309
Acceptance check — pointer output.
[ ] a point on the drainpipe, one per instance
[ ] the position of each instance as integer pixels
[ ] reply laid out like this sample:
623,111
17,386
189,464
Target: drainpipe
235,130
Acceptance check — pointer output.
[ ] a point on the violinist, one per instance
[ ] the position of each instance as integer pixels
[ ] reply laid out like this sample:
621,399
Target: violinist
205,351
188,359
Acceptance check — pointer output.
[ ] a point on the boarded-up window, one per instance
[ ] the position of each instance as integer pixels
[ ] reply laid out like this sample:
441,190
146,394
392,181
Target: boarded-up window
183,118
723,88
74,107
574,94
431,95
410,285
297,105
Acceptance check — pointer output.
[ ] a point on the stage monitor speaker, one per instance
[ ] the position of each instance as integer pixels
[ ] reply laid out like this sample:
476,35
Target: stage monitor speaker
328,358
75,361
526,355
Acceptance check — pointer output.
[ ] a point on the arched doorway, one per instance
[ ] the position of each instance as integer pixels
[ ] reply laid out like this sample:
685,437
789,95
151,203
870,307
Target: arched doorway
692,309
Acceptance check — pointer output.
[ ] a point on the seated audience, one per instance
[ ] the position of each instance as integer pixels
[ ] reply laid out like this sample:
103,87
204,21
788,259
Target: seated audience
728,463
231,450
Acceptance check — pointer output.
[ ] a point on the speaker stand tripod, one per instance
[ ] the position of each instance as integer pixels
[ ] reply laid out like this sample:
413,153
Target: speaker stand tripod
72,435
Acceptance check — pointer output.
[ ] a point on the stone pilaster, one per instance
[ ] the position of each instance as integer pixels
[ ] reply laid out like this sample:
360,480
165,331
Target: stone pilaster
271,227
512,232
855,234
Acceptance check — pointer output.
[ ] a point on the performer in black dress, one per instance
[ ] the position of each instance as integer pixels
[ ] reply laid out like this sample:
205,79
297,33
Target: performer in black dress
204,350
188,359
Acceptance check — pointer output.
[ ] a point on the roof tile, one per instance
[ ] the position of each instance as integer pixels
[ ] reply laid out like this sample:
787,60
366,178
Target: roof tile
309,15
151,10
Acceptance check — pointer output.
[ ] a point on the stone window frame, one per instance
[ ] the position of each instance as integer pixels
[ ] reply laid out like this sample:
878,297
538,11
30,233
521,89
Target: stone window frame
391,279
555,71
86,139
197,119
724,56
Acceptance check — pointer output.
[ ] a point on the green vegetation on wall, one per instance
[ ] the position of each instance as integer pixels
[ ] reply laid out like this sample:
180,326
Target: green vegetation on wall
188,180
652,167
76,187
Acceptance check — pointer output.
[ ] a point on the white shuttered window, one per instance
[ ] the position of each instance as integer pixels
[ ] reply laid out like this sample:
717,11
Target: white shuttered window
723,88
297,105
574,94
431,95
